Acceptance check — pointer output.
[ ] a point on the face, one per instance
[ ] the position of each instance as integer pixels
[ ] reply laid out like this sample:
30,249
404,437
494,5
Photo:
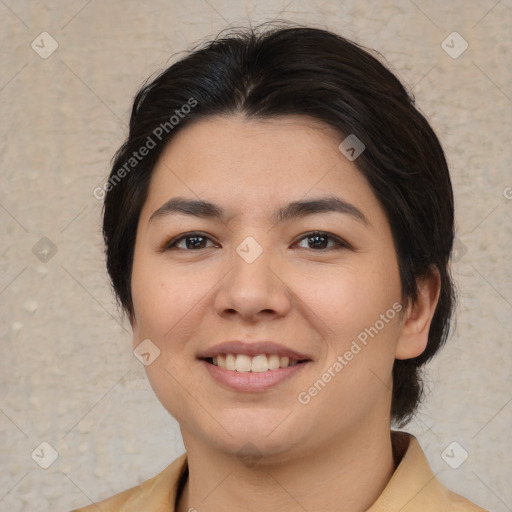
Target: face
251,275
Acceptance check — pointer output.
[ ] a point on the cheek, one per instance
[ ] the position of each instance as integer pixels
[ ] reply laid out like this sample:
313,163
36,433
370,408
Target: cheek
163,301
162,296
361,312
354,298
361,308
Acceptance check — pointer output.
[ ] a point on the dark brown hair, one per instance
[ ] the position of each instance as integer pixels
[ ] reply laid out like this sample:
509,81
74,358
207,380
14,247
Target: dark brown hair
308,71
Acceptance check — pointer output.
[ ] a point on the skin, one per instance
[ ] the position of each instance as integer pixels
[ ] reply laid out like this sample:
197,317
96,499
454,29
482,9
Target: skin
334,453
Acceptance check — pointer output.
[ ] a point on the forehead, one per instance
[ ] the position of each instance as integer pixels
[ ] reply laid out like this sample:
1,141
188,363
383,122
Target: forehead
247,164
252,144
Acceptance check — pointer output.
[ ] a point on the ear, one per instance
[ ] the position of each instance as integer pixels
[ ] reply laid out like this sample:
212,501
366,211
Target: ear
417,317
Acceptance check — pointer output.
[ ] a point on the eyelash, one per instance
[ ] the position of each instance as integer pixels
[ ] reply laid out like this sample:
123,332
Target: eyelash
340,244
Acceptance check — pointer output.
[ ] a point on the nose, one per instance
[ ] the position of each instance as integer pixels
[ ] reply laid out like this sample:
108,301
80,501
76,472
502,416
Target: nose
254,289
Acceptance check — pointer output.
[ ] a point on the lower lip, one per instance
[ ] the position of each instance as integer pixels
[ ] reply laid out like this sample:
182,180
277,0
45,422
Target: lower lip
252,381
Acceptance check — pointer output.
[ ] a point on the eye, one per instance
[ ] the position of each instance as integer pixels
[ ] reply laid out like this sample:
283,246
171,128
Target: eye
319,239
192,241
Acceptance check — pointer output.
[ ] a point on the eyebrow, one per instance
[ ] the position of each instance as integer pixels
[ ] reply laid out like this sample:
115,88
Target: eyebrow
293,210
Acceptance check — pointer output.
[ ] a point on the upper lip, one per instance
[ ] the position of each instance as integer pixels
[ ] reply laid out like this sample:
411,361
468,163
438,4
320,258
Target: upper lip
252,348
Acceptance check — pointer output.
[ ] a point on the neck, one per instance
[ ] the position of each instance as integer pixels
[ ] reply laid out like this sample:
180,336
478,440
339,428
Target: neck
347,475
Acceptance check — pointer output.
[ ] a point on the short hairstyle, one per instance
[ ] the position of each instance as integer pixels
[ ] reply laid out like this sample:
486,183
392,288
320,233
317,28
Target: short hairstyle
297,70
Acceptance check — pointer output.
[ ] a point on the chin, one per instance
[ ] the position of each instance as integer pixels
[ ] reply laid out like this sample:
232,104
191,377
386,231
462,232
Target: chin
261,452
256,441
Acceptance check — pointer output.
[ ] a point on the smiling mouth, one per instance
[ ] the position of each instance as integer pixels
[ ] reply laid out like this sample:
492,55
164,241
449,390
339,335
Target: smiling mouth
257,364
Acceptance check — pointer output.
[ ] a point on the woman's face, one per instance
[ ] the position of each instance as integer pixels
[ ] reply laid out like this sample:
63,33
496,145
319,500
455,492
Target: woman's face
254,276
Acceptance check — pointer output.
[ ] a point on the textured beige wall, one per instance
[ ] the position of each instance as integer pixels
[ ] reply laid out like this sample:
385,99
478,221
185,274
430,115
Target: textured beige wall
68,375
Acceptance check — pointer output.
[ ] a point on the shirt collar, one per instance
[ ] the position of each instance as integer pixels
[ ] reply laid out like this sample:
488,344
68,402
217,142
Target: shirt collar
412,488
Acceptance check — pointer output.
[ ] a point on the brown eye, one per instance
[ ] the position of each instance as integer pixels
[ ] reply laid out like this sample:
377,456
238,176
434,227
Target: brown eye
192,241
320,239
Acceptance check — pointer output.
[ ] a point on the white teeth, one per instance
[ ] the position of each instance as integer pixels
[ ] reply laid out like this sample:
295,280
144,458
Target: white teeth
257,364
230,361
273,361
243,363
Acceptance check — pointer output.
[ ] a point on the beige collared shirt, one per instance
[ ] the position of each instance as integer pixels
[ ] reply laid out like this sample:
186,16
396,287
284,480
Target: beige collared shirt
412,488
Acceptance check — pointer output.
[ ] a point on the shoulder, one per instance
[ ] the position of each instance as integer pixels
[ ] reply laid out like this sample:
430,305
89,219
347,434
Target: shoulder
461,504
158,492
415,488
